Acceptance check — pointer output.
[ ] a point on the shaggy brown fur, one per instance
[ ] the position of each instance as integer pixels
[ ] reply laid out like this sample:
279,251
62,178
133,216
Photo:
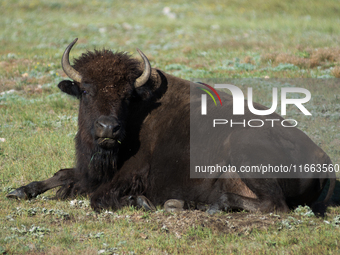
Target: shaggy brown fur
114,68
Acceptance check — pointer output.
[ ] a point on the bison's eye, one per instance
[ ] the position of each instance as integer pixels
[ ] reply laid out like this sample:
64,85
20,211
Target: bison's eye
85,92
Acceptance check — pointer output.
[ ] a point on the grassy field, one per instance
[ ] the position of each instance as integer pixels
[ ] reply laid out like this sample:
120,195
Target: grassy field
206,39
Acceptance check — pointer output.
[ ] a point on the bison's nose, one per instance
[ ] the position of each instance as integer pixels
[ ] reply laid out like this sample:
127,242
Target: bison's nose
106,127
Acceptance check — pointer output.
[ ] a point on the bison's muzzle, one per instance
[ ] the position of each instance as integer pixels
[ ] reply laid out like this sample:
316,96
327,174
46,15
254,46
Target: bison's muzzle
107,131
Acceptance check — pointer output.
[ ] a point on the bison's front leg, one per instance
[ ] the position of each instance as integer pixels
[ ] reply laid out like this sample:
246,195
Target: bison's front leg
64,177
108,197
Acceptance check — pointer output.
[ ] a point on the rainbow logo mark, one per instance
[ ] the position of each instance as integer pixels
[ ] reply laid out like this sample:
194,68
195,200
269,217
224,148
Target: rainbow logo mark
204,97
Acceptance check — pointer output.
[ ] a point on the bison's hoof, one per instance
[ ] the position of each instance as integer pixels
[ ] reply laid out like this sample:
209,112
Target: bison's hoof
145,203
213,209
17,194
97,205
174,205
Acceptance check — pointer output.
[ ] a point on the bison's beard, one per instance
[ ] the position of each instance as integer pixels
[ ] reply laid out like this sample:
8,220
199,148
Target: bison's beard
93,169
102,165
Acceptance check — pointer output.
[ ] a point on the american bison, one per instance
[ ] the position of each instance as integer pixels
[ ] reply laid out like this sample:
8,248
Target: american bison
133,146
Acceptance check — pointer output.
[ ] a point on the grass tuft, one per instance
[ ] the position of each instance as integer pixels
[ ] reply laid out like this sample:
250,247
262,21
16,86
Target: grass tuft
336,72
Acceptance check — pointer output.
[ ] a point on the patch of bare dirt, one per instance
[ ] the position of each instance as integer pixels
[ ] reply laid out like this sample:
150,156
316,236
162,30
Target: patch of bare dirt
180,223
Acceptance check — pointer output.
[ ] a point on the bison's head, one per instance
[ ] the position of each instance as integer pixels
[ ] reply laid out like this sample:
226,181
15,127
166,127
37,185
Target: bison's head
104,82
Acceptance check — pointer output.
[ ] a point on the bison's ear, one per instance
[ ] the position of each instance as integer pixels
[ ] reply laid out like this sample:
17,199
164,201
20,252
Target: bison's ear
70,88
144,92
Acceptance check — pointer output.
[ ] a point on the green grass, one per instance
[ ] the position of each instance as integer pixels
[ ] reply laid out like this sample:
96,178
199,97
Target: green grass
201,39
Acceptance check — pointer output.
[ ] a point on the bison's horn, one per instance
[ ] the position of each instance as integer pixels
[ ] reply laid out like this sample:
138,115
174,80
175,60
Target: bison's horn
65,63
141,80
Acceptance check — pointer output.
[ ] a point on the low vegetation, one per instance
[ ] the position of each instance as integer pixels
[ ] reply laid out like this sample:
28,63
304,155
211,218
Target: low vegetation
238,40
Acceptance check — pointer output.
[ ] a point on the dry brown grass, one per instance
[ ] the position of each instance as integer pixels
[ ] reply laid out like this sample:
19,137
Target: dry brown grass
248,60
312,57
327,54
336,72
